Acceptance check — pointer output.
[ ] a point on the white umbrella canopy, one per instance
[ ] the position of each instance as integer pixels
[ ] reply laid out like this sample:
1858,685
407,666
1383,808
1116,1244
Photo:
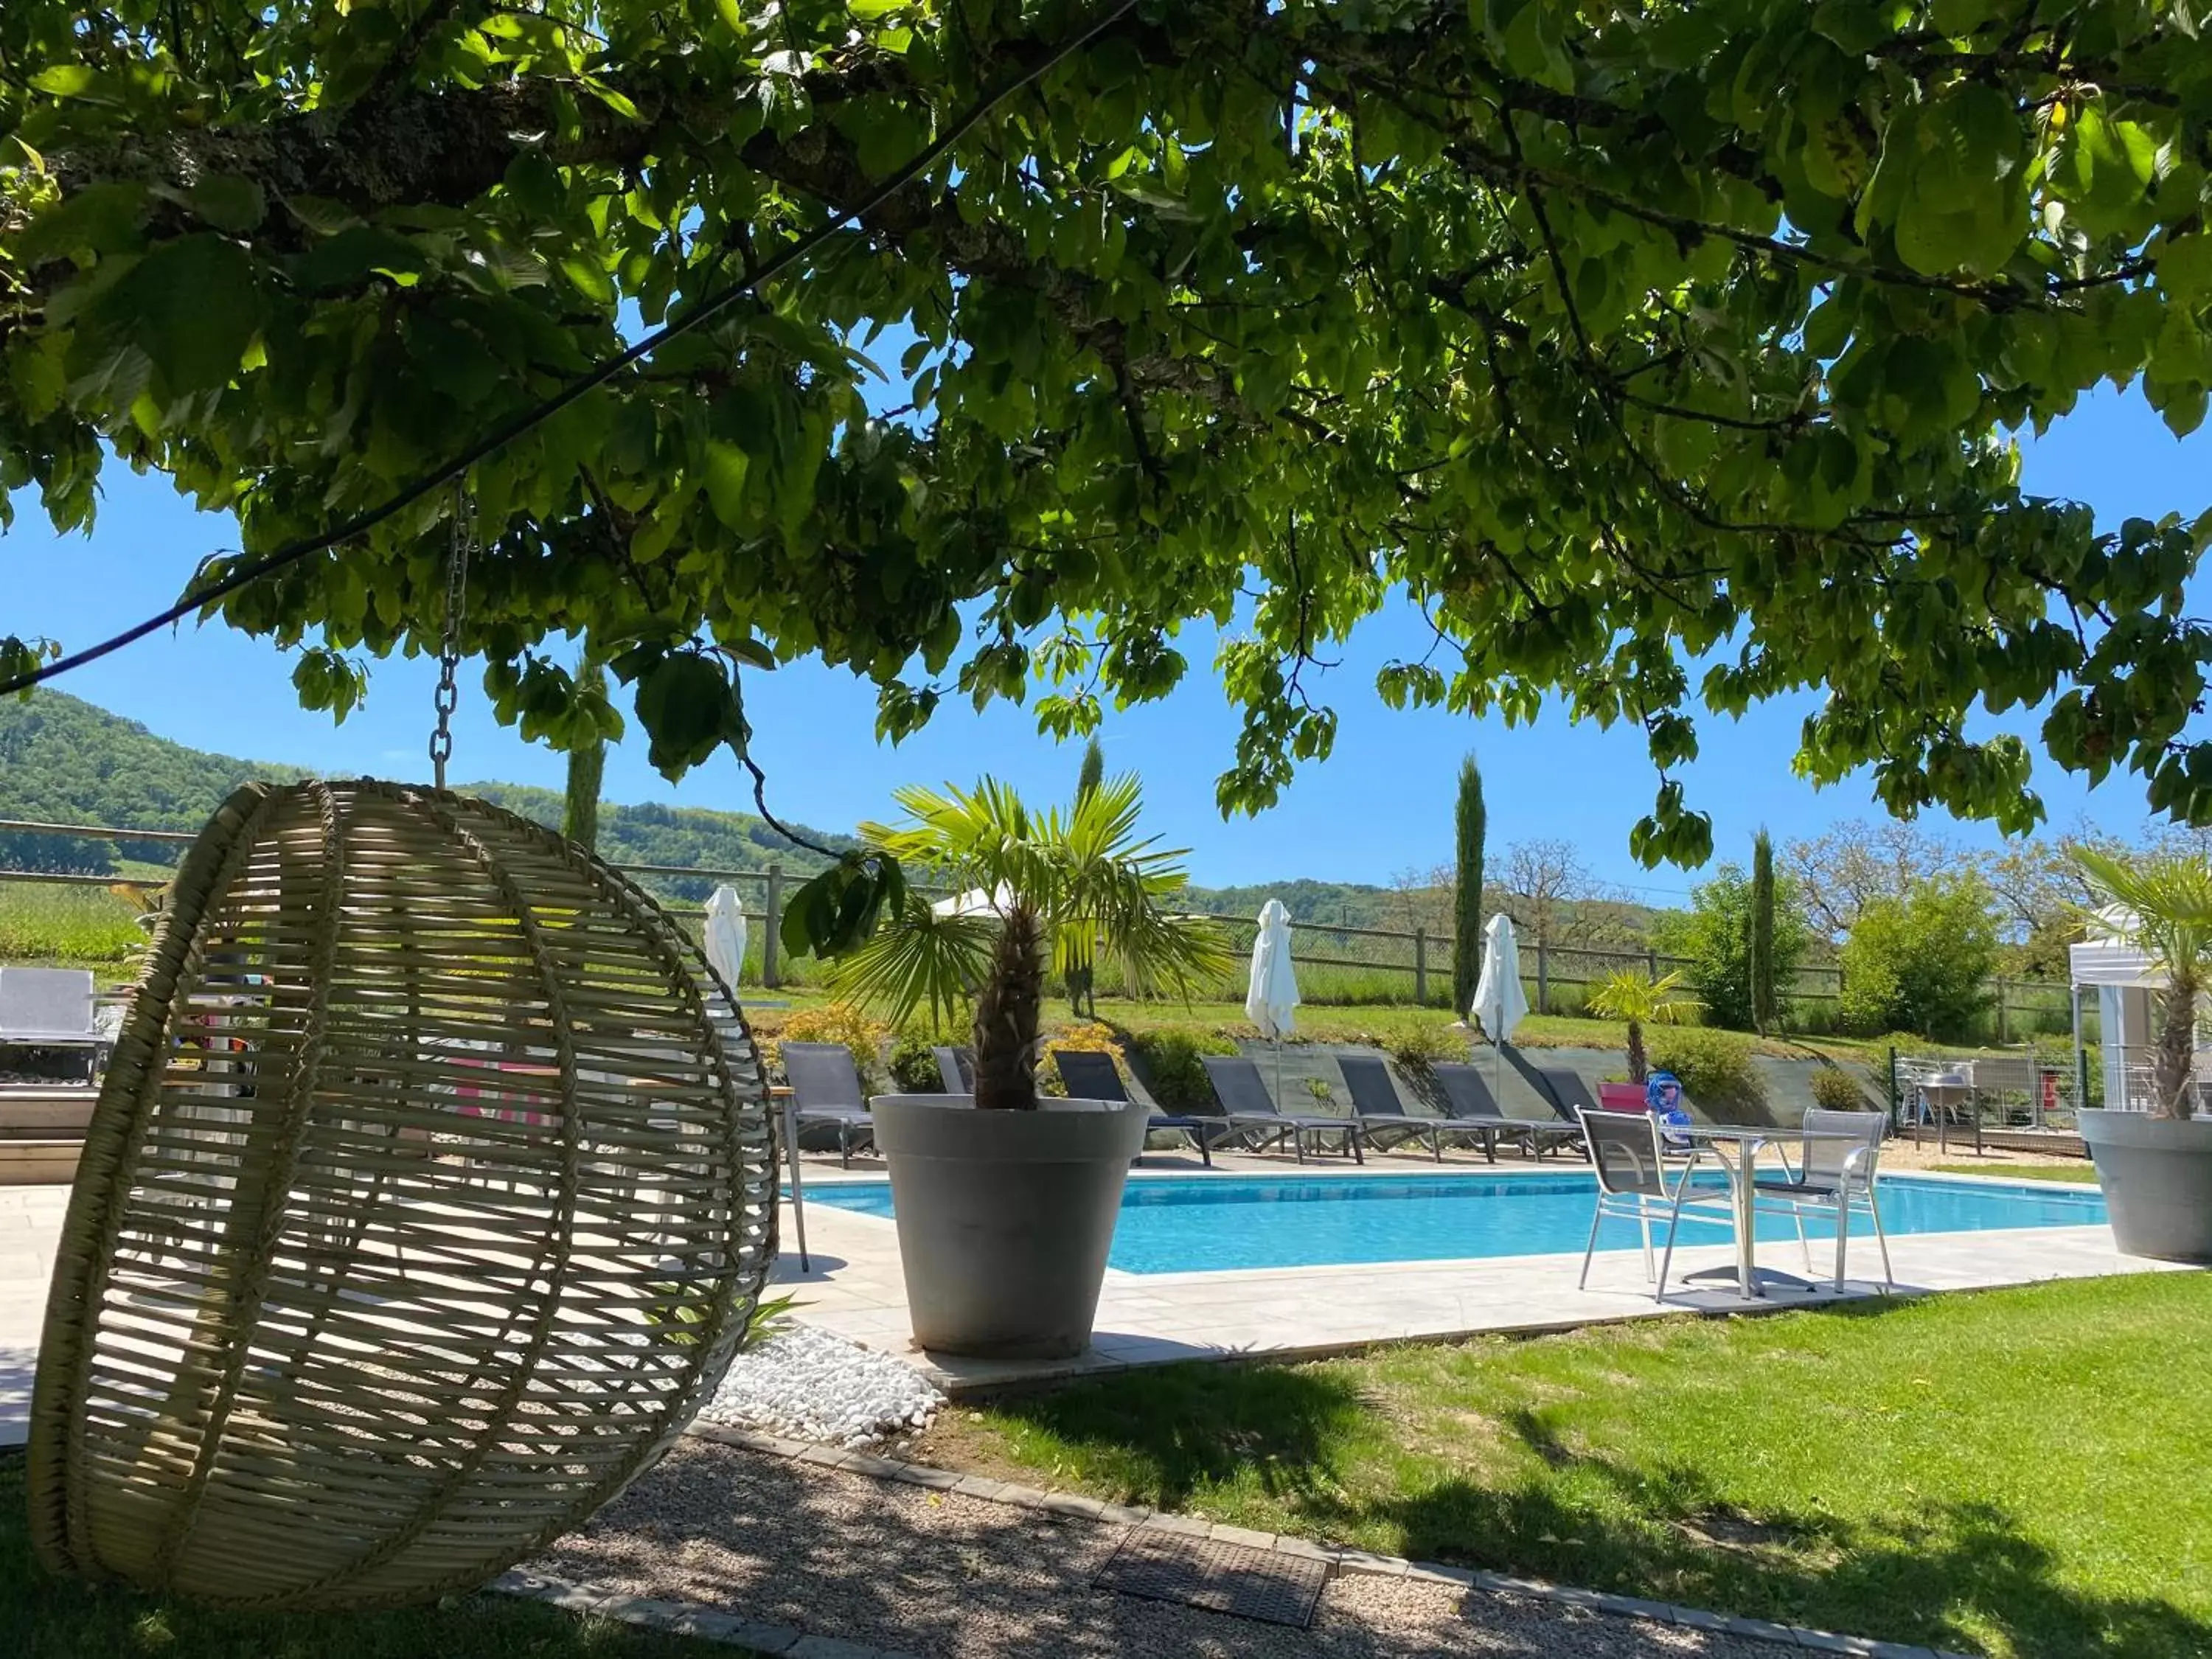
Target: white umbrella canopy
724,934
1499,1002
1271,997
976,902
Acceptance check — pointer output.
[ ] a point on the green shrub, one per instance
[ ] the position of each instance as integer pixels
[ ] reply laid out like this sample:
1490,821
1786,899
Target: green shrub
1715,1065
1090,1037
912,1064
1713,938
1917,962
1173,1062
1419,1047
839,1022
1836,1089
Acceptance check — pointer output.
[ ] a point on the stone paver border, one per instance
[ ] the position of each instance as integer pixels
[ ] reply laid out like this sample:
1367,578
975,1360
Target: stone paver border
1074,1506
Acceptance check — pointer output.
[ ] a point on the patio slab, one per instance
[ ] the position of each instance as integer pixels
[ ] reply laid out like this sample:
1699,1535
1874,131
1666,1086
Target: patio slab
856,1290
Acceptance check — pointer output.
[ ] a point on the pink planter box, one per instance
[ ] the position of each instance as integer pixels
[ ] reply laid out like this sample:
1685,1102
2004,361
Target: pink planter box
1622,1097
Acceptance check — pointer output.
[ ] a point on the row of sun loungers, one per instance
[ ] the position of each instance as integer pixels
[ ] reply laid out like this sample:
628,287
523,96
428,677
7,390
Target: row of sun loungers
827,1099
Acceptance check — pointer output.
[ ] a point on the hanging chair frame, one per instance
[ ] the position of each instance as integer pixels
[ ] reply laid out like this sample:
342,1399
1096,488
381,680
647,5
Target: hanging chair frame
541,1343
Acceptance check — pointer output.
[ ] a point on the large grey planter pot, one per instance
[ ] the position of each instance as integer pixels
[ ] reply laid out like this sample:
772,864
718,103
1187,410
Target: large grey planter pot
1005,1217
2157,1176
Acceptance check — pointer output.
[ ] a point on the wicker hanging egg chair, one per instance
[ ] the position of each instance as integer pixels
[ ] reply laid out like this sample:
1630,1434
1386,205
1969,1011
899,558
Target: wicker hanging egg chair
430,1189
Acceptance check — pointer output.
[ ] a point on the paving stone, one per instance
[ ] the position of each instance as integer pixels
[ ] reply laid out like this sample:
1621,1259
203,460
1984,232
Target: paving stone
1244,1535
1434,1572
828,1457
974,1485
1635,1607
651,1611
1828,1641
1763,1629
1074,1505
921,1474
1122,1515
1386,1566
1286,1545
711,1625
876,1468
1024,1498
1699,1618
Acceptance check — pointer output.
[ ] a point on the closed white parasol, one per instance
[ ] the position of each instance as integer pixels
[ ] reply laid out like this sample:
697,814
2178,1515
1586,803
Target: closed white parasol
725,938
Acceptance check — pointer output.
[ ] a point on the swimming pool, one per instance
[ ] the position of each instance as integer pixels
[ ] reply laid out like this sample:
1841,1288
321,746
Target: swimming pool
1181,1224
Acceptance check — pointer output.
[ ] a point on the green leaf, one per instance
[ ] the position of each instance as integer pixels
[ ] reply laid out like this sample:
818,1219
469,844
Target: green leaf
192,307
98,219
724,475
349,259
228,202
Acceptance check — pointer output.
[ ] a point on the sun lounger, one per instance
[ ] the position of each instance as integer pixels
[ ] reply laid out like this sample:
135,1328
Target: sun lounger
1094,1076
1470,1105
825,1089
1380,1112
1247,1106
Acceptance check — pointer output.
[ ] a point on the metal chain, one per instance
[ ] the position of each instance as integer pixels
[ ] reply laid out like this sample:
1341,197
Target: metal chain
447,697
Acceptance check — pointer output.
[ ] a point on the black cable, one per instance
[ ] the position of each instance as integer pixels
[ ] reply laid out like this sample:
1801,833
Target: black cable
292,552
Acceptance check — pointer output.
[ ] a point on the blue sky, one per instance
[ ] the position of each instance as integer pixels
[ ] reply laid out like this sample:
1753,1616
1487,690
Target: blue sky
1381,804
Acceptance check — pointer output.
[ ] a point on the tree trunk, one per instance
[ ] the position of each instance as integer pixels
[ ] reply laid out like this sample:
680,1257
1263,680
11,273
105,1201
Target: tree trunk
2177,1047
1639,1069
1006,1014
579,812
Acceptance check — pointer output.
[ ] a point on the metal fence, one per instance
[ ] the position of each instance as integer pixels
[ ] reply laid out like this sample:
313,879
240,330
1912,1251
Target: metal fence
1952,1098
1377,964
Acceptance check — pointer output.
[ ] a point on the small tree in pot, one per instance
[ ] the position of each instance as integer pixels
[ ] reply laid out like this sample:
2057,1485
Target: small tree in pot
1631,995
1005,1213
1056,889
2155,1167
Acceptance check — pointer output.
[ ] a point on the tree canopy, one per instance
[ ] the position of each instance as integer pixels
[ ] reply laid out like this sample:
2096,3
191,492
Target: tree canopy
1662,354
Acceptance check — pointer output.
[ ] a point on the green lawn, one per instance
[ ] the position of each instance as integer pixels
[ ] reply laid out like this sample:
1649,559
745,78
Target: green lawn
45,1617
2022,1471
2081,1173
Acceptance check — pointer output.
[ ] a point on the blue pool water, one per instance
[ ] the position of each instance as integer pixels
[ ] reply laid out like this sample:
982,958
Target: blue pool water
1182,1225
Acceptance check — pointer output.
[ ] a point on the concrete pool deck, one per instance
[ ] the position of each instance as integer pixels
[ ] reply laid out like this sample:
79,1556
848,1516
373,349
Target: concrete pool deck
856,1288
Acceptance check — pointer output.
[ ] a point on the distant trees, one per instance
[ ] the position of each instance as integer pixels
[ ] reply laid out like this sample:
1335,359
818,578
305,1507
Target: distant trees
1917,960
1714,938
1469,824
1841,870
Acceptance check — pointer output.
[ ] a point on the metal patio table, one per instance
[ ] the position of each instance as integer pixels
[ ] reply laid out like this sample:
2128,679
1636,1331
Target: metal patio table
1735,1147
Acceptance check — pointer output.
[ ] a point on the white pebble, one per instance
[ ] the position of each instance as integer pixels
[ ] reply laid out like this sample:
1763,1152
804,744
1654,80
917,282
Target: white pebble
807,1384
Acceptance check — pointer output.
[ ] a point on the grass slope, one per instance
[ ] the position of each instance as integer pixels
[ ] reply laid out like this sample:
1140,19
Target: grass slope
2020,1472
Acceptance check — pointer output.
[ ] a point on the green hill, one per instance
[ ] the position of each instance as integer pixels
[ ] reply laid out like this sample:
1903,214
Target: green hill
64,760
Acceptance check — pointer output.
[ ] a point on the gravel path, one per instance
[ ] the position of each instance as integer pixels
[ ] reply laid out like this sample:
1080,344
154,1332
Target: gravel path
934,1573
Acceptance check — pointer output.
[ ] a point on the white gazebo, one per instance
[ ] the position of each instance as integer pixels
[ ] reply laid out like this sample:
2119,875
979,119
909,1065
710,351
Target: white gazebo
2127,983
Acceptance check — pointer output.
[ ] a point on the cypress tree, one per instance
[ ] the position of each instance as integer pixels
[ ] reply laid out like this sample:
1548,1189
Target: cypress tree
1471,823
1763,1004
587,765
1082,983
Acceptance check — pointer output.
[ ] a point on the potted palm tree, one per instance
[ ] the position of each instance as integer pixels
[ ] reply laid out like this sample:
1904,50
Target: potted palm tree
2155,1166
1632,995
1006,1199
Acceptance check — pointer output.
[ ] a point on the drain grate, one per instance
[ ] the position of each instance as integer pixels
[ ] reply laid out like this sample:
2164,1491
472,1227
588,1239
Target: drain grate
1230,1578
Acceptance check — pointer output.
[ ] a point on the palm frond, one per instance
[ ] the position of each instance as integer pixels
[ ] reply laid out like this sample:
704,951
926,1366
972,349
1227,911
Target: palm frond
917,960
